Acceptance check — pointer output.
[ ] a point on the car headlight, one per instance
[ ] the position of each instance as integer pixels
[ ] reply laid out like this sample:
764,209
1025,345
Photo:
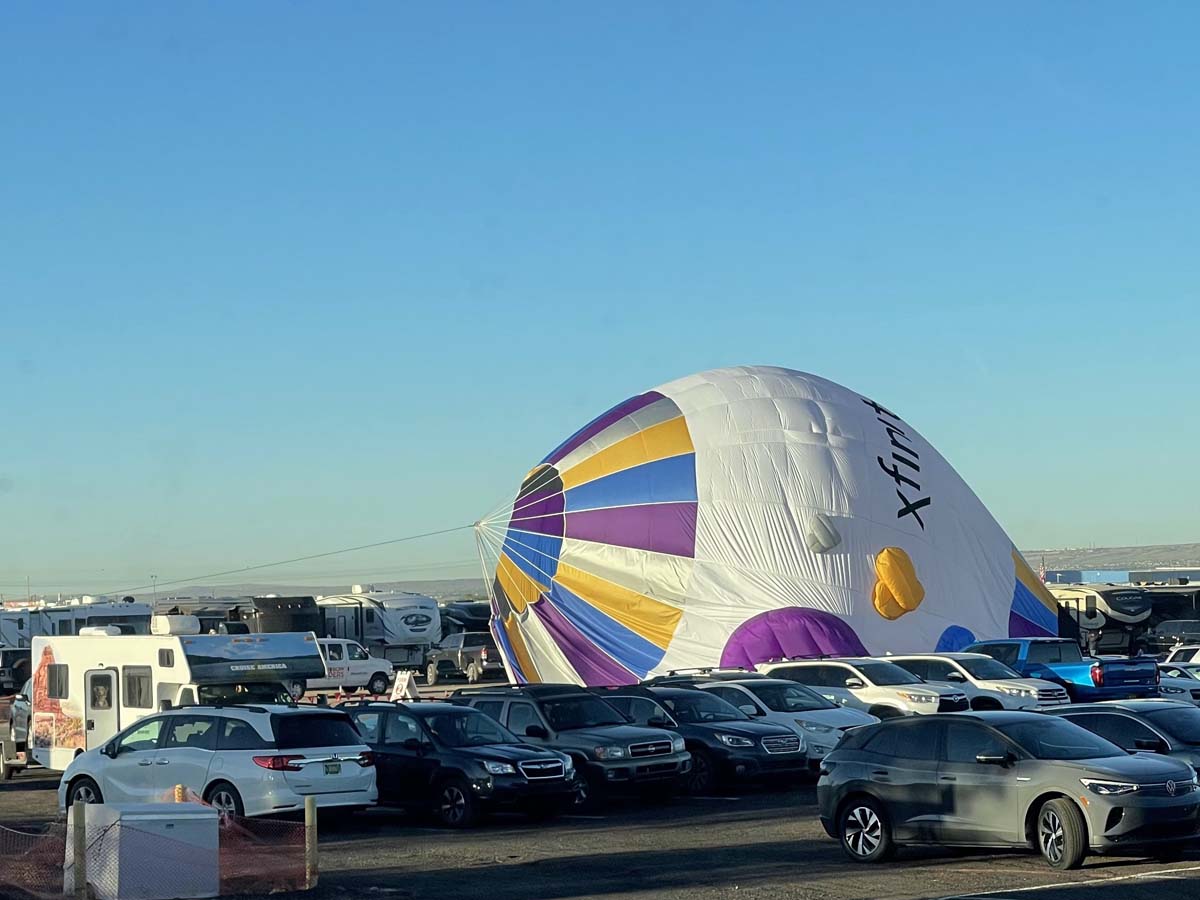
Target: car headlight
1163,689
917,698
499,768
677,745
814,727
1019,692
1108,788
568,765
609,752
733,740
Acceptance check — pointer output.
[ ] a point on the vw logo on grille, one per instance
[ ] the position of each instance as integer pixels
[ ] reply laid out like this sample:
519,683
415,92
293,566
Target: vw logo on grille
1171,788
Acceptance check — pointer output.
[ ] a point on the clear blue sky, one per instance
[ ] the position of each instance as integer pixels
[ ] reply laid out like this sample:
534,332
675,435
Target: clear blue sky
278,278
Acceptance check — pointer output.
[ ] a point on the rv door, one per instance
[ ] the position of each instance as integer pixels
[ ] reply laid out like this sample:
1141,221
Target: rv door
100,713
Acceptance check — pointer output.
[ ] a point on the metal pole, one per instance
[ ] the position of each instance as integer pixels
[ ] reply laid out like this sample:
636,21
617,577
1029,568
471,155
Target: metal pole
79,849
312,864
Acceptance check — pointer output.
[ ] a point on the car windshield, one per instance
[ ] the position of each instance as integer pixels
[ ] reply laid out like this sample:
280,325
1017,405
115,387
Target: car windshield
228,694
988,668
580,711
886,673
699,706
1181,724
468,728
788,697
1053,738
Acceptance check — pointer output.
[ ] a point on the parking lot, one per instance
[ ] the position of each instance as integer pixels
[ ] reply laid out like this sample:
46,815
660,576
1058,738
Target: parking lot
756,844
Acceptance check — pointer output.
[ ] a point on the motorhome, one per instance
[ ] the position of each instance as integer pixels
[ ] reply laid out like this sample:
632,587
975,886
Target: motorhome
1109,616
88,687
267,614
397,625
21,622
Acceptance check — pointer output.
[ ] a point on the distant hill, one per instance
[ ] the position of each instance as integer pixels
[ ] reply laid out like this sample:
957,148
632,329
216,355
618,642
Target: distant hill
446,589
1121,559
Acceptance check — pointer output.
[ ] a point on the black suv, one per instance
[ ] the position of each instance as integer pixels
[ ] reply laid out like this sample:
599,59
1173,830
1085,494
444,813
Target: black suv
460,763
609,750
725,743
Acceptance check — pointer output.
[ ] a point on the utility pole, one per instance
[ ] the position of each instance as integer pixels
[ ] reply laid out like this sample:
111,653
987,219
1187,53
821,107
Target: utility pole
154,582
28,590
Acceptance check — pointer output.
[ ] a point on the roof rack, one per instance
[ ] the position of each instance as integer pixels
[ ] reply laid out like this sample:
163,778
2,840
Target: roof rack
706,670
245,706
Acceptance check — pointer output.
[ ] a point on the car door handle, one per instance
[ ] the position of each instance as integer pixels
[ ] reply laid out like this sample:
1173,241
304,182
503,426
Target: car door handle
145,762
162,762
880,772
949,778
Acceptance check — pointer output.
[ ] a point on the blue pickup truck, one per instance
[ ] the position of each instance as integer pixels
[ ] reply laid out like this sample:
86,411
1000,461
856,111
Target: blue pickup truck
1087,679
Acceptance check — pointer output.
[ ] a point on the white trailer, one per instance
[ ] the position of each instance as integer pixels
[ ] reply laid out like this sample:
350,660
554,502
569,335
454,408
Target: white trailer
87,688
397,625
20,623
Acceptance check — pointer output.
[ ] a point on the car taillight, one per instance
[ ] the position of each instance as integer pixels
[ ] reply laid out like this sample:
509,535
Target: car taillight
483,654
279,763
1157,676
1097,675
366,759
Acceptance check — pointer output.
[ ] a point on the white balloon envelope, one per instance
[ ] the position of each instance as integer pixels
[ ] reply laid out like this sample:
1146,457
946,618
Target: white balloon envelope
740,515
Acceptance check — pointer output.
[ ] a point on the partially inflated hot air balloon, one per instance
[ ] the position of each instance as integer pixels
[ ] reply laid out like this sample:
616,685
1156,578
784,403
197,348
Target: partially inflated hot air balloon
740,515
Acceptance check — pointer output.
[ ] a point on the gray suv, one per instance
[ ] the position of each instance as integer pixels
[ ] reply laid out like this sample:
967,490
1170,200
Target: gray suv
607,750
1003,779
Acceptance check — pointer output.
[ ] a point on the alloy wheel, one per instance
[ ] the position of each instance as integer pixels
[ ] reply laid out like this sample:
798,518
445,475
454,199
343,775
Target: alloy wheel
85,794
863,831
453,804
226,807
1050,836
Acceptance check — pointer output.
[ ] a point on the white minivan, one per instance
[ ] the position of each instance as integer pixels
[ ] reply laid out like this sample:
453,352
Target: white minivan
351,667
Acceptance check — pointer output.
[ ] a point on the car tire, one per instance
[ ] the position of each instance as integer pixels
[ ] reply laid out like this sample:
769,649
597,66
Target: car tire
226,800
378,684
1061,834
865,832
84,789
702,776
454,805
431,674
472,673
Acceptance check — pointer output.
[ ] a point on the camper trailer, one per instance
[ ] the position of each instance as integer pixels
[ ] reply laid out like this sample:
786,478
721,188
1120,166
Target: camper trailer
87,687
1110,616
399,626
20,623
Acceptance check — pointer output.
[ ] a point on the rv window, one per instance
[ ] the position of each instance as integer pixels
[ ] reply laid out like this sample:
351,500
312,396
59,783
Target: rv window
166,658
192,732
370,616
57,684
136,681
333,651
357,652
239,734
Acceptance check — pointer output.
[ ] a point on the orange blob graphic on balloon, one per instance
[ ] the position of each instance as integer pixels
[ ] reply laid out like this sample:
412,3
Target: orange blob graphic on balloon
898,590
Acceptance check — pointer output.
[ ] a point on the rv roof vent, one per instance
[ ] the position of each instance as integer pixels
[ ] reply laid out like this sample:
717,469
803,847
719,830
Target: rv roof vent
99,631
174,625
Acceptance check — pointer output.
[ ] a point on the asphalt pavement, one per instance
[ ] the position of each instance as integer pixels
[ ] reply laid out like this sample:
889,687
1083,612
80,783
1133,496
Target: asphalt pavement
750,844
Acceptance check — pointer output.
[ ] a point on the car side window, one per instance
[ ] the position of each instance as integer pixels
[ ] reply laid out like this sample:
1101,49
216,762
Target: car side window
966,740
191,732
490,707
919,667
906,740
522,715
356,652
453,642
935,670
333,651
401,728
639,709
1123,731
143,737
238,734
368,725
814,676
731,695
1005,653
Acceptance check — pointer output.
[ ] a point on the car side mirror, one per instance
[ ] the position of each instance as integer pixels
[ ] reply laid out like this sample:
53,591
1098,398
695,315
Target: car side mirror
1154,745
855,683
658,722
110,750
749,709
956,676
993,759
414,745
536,731
21,698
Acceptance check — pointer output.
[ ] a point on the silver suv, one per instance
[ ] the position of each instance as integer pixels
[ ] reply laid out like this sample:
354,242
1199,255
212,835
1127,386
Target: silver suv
876,686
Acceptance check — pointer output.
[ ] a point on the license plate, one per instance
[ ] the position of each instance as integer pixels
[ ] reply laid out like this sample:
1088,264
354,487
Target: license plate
333,768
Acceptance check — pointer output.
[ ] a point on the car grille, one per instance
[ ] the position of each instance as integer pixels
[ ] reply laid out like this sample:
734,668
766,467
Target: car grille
787,744
653,748
1052,695
954,703
539,769
1161,789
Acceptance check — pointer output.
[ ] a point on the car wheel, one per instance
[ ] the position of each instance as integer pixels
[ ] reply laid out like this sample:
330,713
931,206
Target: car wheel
84,790
431,674
1061,834
379,684
224,798
454,805
472,673
703,774
865,833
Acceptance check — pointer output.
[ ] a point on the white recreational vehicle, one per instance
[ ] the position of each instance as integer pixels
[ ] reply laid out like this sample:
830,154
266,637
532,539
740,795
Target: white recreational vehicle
20,622
89,686
397,625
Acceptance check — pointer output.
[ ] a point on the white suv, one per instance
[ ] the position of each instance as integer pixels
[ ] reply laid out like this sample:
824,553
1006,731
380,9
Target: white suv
243,760
988,683
350,667
1184,653
880,687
